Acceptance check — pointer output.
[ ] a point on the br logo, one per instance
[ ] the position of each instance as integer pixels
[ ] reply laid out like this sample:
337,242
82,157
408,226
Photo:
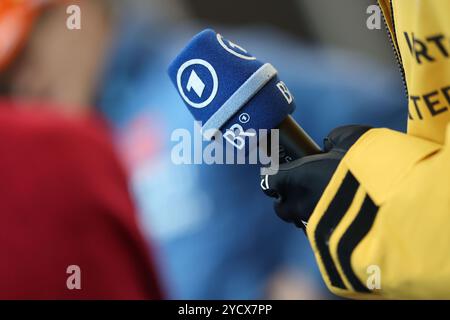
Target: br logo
197,83
234,49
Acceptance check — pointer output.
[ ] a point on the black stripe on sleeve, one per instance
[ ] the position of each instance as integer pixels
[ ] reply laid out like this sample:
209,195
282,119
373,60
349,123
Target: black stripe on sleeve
331,218
358,229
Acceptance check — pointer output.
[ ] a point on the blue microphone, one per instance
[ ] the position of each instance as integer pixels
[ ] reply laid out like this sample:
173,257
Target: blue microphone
229,90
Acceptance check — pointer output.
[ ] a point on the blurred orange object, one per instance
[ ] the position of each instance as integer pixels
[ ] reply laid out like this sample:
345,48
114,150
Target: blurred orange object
16,22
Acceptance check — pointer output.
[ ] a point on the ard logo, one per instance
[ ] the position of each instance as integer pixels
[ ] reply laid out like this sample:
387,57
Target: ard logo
234,48
197,83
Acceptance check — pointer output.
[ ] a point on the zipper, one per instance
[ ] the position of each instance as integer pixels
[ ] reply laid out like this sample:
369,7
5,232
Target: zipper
396,53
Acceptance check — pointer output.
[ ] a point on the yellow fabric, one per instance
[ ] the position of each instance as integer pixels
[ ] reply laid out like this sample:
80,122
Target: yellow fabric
404,177
427,81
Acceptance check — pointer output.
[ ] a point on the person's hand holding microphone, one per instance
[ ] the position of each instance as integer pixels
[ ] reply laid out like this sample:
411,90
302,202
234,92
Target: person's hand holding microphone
220,82
298,185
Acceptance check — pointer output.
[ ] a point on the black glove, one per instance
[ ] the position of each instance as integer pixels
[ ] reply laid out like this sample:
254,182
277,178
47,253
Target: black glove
298,185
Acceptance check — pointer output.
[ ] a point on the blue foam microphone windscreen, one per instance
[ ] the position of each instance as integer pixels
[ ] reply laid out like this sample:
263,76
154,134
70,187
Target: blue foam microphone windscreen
222,85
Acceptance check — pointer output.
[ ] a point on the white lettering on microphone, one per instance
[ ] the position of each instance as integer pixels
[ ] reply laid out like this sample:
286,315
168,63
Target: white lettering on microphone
236,136
285,92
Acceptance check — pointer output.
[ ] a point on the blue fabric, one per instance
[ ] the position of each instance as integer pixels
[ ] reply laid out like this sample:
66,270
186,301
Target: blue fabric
242,96
267,109
215,231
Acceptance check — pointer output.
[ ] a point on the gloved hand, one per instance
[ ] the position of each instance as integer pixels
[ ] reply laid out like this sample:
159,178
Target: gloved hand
298,185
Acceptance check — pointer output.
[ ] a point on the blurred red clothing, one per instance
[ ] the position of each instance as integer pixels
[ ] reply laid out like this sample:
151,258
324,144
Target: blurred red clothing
64,201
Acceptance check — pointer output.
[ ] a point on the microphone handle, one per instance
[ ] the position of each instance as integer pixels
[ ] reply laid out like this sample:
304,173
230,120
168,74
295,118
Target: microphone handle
295,143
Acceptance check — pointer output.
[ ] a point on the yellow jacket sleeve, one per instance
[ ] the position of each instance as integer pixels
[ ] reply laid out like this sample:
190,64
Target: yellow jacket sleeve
386,211
382,227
